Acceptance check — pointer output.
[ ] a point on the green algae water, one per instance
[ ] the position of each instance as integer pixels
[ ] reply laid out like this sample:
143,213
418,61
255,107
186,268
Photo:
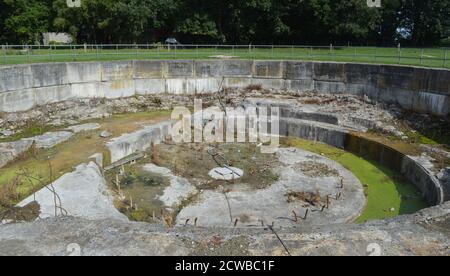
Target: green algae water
388,194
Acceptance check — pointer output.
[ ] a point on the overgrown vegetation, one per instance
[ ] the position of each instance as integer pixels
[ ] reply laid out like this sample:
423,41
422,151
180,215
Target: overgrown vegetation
9,196
30,129
137,193
65,156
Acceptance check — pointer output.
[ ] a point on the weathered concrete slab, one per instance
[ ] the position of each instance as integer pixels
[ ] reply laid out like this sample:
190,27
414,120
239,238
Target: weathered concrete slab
117,89
180,68
361,74
401,97
207,85
176,86
396,77
208,69
11,150
329,72
140,140
16,101
53,94
15,78
84,127
83,72
268,69
237,68
278,84
432,103
362,89
326,133
237,82
299,70
87,90
270,204
49,74
82,193
50,139
117,70
294,113
300,85
226,173
429,186
410,87
419,234
179,189
148,69
329,87
437,81
150,86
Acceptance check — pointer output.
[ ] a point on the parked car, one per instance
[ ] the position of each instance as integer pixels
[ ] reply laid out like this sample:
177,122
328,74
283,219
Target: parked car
172,41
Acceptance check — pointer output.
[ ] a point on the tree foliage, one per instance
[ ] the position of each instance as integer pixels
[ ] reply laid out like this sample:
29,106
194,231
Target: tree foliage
414,22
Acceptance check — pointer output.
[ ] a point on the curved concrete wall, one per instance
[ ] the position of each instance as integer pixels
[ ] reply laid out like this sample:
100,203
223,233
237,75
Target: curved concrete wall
23,87
428,185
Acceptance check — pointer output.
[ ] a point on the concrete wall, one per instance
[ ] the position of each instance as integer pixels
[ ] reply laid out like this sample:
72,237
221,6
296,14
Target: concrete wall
427,184
23,87
335,136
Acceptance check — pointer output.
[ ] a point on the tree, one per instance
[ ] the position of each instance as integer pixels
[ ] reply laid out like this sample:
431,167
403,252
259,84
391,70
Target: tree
341,21
319,22
388,29
23,21
424,20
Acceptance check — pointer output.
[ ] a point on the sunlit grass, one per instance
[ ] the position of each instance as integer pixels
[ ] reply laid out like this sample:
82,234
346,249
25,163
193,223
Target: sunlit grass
432,57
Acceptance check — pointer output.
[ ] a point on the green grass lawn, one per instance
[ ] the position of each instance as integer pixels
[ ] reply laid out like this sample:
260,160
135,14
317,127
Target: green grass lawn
384,188
432,57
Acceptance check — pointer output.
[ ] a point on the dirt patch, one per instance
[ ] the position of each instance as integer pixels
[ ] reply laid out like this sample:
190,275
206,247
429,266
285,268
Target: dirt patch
218,246
314,169
254,87
193,162
311,199
27,213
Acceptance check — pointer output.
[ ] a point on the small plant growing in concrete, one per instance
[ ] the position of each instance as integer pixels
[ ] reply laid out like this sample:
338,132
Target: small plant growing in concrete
127,180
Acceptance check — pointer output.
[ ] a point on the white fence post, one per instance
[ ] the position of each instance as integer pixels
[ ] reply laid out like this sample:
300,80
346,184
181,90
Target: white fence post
445,58
28,54
421,57
5,58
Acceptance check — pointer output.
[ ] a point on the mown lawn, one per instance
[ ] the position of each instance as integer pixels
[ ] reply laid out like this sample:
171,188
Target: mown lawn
431,57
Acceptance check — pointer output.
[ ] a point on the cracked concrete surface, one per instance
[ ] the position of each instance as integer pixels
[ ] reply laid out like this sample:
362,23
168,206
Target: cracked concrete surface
424,233
82,193
271,204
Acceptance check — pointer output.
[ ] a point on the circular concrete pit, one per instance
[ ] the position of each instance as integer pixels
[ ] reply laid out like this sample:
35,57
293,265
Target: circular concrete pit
306,182
347,153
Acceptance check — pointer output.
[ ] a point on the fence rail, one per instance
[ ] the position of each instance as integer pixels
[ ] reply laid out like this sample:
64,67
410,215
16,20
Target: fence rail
429,57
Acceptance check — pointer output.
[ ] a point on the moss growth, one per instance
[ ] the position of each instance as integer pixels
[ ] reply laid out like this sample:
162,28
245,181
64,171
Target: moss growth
388,195
140,187
31,129
416,137
71,153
